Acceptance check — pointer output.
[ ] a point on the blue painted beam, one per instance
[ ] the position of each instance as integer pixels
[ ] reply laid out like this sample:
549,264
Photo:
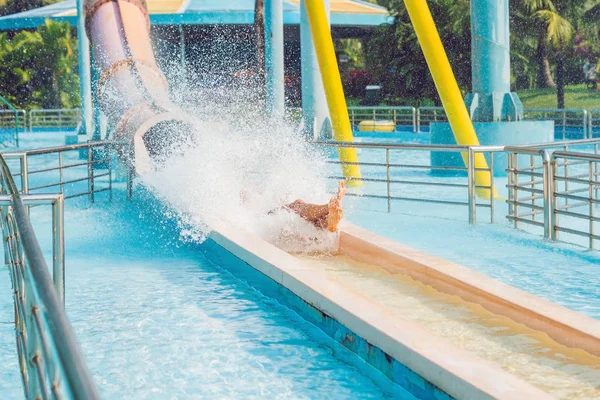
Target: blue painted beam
85,88
274,57
491,99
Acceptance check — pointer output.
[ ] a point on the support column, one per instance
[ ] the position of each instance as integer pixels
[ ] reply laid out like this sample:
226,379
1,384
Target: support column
491,99
85,88
497,114
314,104
274,62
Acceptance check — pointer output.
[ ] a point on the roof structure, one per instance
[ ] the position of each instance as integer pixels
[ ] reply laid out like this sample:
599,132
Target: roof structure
350,13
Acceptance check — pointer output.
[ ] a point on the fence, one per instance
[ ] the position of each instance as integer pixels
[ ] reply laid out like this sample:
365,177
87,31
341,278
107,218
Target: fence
593,123
426,115
49,358
574,192
12,122
564,119
548,187
63,171
60,119
385,177
400,116
569,123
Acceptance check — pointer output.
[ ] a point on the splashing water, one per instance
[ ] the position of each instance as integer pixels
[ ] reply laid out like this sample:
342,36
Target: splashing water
236,171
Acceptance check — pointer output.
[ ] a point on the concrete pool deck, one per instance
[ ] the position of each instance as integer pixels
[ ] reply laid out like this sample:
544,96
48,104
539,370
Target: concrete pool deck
420,354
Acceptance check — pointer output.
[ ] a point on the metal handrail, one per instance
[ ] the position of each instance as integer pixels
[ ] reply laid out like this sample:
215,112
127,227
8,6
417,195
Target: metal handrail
375,112
54,118
91,162
590,181
471,170
39,310
591,119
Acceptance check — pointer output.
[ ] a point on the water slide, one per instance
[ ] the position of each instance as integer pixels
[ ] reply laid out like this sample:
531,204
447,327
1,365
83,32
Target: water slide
132,91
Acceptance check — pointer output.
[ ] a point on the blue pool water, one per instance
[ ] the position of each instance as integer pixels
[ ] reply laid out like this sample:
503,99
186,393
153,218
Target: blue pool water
154,318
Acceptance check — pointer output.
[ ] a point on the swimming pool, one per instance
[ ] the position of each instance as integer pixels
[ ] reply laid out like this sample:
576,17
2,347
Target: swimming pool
512,256
152,270
154,318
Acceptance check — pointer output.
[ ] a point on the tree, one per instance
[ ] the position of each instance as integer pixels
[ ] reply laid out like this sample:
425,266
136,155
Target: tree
396,60
16,6
38,67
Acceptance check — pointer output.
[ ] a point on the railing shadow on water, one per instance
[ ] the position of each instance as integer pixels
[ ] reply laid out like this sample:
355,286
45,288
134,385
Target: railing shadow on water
50,361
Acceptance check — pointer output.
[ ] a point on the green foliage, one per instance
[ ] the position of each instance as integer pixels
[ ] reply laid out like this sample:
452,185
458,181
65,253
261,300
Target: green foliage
395,57
542,33
39,67
16,6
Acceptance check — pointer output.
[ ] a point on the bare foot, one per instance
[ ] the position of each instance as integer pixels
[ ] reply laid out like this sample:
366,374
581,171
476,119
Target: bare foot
336,212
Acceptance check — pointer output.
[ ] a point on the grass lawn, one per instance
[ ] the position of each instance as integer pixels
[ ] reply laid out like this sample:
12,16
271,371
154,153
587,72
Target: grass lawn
577,97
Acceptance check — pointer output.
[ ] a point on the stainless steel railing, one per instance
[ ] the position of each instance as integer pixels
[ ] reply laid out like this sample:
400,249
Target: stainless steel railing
61,119
529,197
12,122
576,195
465,180
426,115
546,181
588,121
593,123
49,357
400,116
64,171
563,118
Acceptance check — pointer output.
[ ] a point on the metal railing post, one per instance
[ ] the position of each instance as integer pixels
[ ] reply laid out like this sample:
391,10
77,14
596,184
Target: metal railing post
547,193
591,201
532,184
414,120
471,187
553,206
389,183
24,174
585,119
492,208
512,191
597,172
419,119
564,124
58,246
60,172
91,173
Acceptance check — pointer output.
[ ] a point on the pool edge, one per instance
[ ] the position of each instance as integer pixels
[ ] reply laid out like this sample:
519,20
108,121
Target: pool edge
435,360
563,325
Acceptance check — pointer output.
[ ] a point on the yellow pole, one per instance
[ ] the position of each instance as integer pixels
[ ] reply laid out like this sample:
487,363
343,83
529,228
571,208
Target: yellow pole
332,83
447,87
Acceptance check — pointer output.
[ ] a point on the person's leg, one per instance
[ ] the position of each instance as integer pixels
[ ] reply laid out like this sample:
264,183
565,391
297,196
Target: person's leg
309,212
322,215
336,212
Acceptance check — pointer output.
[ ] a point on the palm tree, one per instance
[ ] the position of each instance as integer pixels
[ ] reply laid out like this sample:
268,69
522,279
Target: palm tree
546,27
